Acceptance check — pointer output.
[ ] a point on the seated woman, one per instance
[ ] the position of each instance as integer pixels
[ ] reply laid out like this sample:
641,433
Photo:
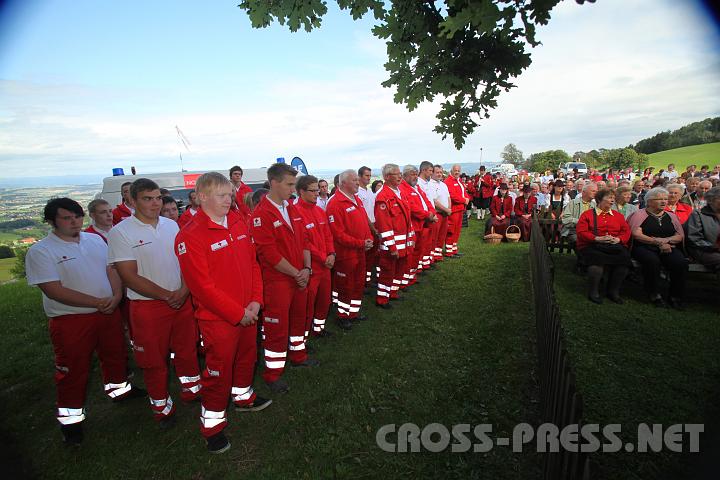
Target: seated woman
622,201
525,206
656,235
703,241
558,198
501,209
674,205
603,237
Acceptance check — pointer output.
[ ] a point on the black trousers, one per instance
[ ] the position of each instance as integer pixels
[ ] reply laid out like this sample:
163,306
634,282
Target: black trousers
652,260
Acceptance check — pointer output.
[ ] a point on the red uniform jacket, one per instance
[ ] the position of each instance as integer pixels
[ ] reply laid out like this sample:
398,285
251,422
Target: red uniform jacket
186,217
240,198
470,188
612,223
219,267
487,185
418,214
457,194
318,230
682,210
275,240
392,221
91,229
349,225
120,212
501,206
523,207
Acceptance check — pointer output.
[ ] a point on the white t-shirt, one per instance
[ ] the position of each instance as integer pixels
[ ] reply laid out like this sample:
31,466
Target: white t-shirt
368,199
429,188
153,248
443,194
80,266
322,202
670,175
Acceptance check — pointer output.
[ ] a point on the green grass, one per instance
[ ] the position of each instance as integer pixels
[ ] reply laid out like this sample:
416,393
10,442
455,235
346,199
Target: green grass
454,352
707,154
637,364
6,264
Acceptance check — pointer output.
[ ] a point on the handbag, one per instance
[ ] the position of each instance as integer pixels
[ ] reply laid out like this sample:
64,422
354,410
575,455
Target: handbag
608,248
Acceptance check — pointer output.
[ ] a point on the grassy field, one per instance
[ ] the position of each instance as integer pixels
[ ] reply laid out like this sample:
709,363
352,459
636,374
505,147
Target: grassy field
6,264
635,363
707,154
455,352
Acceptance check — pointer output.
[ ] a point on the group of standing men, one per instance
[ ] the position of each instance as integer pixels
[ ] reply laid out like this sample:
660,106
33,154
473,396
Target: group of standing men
212,280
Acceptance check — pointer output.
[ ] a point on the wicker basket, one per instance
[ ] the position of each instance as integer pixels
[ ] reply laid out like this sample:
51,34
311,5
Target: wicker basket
492,237
512,237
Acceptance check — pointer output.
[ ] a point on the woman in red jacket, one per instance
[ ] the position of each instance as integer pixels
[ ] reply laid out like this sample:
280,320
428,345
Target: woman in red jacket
603,237
501,209
524,209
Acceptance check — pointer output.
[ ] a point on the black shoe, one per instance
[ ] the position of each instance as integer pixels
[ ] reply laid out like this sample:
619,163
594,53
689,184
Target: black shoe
616,299
134,392
259,404
384,306
73,433
278,386
595,299
677,304
309,362
166,423
659,302
344,323
360,318
218,444
324,333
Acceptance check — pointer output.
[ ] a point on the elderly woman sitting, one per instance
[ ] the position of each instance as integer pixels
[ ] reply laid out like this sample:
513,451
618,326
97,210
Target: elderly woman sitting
603,236
656,234
623,195
703,241
675,193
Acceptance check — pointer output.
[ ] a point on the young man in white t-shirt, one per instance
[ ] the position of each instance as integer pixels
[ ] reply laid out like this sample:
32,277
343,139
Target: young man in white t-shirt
142,248
80,295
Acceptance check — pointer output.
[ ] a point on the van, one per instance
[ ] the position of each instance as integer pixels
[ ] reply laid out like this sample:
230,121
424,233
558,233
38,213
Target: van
180,184
570,166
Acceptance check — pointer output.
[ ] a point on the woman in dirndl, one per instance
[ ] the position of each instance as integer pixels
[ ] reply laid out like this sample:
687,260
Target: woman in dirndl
603,238
501,210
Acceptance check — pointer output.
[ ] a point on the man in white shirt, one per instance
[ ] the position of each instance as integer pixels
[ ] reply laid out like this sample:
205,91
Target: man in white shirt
670,173
142,248
425,182
80,295
442,206
368,199
323,197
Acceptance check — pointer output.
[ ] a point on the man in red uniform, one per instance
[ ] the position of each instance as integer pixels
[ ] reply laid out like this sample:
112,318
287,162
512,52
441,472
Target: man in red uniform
525,206
392,220
429,188
487,190
142,248
80,297
351,232
458,201
284,253
422,214
101,214
217,259
241,189
190,210
368,199
125,208
322,253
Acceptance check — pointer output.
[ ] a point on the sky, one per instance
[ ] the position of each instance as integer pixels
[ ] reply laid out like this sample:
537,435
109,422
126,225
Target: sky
90,85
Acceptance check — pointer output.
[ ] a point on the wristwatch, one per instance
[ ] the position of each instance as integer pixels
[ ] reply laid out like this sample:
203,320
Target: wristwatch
308,269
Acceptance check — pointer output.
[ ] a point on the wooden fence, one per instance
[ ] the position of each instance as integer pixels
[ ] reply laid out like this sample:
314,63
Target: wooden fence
561,404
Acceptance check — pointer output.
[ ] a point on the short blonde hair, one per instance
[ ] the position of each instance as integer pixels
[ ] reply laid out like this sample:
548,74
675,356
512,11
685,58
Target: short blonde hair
211,180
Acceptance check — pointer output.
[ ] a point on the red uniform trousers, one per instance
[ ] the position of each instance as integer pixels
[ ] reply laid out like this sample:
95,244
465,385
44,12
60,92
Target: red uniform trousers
74,338
318,301
453,233
426,246
414,259
392,270
440,235
349,276
230,354
371,261
157,330
284,316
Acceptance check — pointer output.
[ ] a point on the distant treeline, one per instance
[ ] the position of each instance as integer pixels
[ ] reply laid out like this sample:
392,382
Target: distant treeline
697,133
19,223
